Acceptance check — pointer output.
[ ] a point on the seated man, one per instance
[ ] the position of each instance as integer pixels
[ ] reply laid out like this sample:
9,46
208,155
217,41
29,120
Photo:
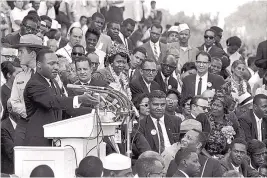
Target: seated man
90,166
42,171
149,167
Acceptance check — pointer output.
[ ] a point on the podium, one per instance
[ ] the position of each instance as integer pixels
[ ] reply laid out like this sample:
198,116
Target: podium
81,133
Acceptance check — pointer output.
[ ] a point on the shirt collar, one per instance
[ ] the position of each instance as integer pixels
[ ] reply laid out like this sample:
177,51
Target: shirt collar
148,84
152,44
163,77
88,83
236,168
184,173
160,119
68,47
186,48
257,119
204,76
14,124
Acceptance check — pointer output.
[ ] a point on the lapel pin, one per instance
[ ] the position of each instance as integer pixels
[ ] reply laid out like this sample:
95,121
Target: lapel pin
153,132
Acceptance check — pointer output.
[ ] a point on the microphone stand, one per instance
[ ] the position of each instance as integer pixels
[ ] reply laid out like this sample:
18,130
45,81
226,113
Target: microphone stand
98,125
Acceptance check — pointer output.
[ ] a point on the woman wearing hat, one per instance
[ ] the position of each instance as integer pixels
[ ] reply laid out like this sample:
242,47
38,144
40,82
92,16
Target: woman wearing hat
114,73
221,126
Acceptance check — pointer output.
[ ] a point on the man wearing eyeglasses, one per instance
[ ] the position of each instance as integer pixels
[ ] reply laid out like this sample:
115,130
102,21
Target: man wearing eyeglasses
198,105
196,84
145,82
209,44
164,78
77,51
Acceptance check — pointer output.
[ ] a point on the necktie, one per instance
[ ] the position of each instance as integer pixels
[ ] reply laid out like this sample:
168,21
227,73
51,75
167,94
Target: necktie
53,86
260,129
199,86
166,83
32,72
131,74
161,138
156,51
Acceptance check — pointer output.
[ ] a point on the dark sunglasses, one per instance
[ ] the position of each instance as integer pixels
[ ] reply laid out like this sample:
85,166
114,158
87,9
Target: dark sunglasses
95,63
77,54
210,37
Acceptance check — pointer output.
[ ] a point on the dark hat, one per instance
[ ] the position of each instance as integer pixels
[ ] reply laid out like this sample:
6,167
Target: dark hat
216,29
30,40
234,40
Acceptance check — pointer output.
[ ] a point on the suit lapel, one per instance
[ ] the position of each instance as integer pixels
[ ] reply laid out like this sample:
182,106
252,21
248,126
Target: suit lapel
254,123
143,85
193,83
168,126
10,128
150,129
160,80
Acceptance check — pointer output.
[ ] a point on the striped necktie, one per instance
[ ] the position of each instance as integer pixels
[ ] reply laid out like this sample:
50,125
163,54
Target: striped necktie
156,51
161,138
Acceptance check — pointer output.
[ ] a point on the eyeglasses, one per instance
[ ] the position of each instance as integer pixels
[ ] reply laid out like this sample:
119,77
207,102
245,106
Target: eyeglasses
241,69
77,54
210,37
144,104
171,100
167,65
203,107
95,63
202,62
153,71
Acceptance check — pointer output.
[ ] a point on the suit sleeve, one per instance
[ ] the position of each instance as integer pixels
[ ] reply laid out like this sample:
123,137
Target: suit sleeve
217,169
7,143
140,142
41,95
246,127
259,54
135,89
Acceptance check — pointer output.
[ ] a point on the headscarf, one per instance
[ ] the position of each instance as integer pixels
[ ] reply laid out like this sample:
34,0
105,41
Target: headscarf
115,49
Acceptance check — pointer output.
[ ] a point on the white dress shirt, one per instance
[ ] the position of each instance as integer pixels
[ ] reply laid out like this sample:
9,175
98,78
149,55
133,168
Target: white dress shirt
66,52
204,83
131,72
148,86
164,131
43,10
236,168
124,40
207,49
258,122
157,47
164,78
14,124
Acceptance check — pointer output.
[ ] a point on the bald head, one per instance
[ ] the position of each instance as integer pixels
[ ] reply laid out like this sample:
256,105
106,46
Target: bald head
208,94
76,34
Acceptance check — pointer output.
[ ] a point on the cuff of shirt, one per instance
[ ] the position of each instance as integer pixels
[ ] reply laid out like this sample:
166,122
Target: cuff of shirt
76,103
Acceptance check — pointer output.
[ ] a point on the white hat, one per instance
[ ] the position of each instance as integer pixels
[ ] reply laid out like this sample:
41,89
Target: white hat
116,162
182,27
173,29
55,24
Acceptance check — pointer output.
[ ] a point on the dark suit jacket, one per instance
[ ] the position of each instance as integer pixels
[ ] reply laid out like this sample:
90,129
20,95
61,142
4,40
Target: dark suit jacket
178,173
212,168
189,84
262,55
7,145
214,51
171,82
227,166
249,125
138,86
43,106
5,95
150,53
11,39
172,124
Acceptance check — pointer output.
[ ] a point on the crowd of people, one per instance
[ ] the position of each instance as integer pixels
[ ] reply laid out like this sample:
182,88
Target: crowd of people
199,111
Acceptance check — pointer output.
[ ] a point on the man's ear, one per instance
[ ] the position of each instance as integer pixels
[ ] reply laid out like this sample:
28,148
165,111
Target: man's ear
38,64
33,54
8,75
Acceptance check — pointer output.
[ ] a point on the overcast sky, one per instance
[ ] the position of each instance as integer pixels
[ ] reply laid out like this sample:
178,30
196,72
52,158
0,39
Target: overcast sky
225,7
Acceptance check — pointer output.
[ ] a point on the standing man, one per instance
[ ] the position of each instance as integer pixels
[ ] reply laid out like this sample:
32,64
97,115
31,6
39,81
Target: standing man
187,52
127,28
196,84
164,78
145,82
75,37
28,48
218,35
155,49
44,101
160,130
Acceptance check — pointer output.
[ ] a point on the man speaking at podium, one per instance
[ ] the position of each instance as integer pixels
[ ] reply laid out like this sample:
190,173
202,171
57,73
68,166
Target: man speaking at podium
44,100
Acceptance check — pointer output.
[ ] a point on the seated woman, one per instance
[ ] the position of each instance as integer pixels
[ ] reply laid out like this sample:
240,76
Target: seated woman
113,73
221,126
185,108
141,104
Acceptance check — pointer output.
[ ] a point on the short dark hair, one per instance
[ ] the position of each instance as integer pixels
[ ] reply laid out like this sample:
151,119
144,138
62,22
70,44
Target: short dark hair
128,21
210,30
174,91
72,28
140,49
183,154
184,100
238,141
201,137
42,171
92,31
8,67
251,60
30,17
144,166
153,2
259,97
42,53
78,46
112,22
216,59
216,29
195,99
144,61
204,53
90,166
98,14
254,145
138,99
45,17
82,59
188,66
83,17
156,94
156,25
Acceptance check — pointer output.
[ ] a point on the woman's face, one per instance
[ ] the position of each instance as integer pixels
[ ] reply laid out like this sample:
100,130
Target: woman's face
239,70
144,107
217,108
187,109
119,64
172,102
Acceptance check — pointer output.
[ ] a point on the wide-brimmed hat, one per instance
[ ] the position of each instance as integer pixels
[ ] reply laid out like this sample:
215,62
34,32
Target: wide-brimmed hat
30,40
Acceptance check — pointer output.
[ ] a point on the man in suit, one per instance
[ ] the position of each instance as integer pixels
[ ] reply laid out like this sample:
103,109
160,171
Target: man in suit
193,139
187,163
148,167
198,105
160,130
137,57
145,82
196,84
127,28
235,159
261,60
209,44
113,29
253,122
164,78
44,100
256,152
155,49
